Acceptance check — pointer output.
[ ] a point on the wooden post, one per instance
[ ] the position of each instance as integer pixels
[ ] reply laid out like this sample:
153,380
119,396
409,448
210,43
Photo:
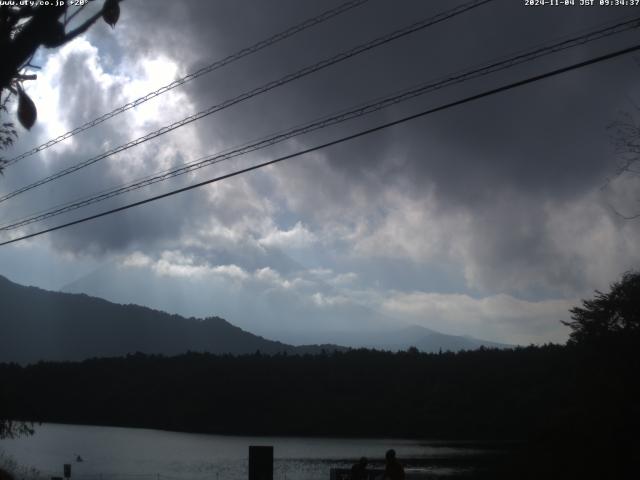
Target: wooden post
260,463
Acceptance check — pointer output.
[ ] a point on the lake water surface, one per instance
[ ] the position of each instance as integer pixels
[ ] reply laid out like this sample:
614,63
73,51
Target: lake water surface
111,453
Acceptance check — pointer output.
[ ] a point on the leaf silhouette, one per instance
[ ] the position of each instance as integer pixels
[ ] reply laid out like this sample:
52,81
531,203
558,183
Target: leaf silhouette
111,12
27,112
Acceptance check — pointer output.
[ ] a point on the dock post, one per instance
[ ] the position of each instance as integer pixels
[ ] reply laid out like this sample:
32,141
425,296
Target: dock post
260,463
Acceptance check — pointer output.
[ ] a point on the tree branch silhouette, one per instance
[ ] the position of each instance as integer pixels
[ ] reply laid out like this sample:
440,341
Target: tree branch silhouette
23,30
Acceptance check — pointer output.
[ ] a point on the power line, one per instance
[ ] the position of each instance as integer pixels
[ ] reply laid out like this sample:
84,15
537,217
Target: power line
324,122
362,133
259,90
311,22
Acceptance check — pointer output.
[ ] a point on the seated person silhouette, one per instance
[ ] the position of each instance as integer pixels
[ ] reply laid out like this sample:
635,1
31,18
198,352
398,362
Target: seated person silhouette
393,470
359,470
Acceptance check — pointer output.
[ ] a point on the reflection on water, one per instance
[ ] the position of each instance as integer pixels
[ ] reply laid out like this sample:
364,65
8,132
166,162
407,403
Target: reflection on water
111,453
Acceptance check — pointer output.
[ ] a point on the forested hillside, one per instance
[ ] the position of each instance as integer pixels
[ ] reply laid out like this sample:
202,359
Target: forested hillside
37,324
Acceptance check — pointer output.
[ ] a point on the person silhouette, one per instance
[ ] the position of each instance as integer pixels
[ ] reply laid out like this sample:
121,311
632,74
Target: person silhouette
359,469
393,470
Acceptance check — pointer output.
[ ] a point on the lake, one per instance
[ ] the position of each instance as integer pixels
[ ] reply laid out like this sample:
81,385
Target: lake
111,453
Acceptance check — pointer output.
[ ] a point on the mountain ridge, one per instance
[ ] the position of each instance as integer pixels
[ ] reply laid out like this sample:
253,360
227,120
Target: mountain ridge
42,325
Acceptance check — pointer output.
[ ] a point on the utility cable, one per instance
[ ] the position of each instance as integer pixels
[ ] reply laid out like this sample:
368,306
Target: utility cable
311,22
362,133
259,90
326,122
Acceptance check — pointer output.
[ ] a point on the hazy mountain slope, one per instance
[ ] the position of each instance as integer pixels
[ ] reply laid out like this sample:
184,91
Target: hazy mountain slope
429,340
36,324
401,338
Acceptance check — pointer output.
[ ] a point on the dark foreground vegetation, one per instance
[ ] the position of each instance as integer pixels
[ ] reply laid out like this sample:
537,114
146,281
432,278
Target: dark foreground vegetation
574,409
484,394
562,399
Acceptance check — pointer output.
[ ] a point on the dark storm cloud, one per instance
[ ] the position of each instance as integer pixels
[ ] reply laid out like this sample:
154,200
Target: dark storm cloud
77,101
212,29
504,162
548,139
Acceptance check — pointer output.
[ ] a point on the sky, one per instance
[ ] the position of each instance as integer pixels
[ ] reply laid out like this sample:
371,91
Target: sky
490,219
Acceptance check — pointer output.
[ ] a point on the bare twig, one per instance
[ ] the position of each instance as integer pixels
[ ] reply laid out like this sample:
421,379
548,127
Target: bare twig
21,76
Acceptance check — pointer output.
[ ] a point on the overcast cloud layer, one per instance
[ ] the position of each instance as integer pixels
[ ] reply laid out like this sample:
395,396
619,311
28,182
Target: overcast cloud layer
490,219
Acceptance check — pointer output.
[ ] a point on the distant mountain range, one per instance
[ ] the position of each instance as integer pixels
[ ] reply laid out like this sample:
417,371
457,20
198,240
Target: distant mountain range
422,338
37,324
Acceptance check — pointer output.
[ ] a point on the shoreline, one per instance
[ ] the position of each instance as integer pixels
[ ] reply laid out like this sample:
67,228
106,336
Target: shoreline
431,441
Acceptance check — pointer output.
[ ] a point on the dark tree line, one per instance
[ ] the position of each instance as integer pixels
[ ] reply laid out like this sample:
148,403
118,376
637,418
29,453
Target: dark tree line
486,393
575,406
563,405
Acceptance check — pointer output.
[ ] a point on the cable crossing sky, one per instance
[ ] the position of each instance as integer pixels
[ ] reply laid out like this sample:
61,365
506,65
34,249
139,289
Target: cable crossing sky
311,22
324,122
362,133
415,27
